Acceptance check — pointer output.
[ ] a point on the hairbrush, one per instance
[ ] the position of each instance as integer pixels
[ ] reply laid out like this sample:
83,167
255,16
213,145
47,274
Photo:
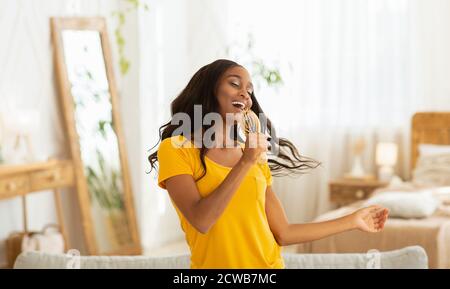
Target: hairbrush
250,124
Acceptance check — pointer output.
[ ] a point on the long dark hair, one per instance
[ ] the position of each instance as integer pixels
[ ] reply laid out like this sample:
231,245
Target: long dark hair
201,90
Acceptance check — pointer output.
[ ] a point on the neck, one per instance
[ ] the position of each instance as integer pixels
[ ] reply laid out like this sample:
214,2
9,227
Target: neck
223,137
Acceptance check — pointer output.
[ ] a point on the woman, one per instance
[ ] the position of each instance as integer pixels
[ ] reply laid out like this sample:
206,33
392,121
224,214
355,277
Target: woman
228,211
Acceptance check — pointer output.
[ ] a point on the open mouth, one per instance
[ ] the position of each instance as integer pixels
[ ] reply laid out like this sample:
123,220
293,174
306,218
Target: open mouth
239,105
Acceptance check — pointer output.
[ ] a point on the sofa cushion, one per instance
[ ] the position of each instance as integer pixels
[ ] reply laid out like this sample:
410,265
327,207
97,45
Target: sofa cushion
408,257
413,257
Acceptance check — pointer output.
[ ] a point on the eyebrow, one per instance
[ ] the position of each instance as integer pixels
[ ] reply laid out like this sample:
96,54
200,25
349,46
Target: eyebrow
238,76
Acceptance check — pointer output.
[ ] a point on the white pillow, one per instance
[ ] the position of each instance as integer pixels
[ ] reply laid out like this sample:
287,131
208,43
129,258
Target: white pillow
432,170
433,149
406,204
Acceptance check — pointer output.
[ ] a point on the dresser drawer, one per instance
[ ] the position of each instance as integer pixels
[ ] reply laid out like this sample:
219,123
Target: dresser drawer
57,176
346,195
345,192
11,186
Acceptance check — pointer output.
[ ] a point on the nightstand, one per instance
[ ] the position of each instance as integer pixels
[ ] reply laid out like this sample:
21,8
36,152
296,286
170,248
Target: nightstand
346,191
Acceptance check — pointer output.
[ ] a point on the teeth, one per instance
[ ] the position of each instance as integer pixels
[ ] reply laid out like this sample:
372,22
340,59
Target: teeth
238,103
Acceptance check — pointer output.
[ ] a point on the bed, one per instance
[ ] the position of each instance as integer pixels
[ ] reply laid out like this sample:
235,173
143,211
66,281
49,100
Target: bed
432,233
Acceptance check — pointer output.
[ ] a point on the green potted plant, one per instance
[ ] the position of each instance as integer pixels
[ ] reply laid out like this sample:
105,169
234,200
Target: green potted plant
105,187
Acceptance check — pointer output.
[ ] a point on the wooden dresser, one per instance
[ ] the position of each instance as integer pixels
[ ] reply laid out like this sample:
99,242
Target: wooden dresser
20,180
16,180
346,191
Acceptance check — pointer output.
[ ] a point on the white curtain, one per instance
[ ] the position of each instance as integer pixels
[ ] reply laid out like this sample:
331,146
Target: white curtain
350,68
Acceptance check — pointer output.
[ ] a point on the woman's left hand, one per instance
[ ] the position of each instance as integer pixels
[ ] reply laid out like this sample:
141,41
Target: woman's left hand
370,219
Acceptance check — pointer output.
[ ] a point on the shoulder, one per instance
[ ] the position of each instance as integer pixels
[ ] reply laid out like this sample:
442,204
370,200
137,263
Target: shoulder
177,141
178,144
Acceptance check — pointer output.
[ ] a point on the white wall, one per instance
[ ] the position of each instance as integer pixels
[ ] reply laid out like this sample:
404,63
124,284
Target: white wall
27,81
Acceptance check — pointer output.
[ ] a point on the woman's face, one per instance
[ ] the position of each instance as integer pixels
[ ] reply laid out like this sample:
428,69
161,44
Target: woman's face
234,92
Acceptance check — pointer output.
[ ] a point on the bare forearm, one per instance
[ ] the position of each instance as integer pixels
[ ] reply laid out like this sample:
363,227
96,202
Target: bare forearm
300,233
210,208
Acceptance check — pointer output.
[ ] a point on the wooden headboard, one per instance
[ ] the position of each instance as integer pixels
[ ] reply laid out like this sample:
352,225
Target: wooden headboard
431,128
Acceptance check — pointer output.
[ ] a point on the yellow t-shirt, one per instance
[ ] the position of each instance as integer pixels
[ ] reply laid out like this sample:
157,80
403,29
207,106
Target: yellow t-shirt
241,237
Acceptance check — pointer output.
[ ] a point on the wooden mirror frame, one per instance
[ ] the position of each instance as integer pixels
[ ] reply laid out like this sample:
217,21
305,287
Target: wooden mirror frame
68,110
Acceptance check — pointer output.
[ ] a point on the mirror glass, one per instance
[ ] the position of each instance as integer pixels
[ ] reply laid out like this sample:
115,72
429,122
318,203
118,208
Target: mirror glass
85,64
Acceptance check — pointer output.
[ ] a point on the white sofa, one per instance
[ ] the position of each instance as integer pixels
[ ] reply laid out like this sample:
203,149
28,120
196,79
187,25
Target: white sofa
413,257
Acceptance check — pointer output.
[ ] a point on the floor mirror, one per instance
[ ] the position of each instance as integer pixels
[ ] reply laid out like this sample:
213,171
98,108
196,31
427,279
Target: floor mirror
89,104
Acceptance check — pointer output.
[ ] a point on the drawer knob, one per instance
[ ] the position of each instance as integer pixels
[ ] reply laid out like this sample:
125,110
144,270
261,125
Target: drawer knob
360,194
11,186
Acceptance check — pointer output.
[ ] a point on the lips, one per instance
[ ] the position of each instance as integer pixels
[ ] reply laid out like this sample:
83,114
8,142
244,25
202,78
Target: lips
238,104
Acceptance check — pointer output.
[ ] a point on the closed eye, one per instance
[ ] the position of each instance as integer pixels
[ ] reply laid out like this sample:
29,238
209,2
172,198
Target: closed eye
250,92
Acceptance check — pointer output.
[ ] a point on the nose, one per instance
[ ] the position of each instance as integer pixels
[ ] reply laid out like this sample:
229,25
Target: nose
244,93
246,98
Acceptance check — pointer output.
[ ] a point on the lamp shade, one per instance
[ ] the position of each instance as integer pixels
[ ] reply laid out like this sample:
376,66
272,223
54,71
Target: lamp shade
386,154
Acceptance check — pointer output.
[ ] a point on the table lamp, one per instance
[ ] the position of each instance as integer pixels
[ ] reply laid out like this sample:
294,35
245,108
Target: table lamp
386,159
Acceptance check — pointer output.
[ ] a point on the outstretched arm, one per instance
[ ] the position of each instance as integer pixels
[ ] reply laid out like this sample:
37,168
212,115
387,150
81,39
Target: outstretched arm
369,219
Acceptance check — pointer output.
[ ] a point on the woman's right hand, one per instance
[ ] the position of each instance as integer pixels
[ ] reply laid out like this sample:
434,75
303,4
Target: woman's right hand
255,145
